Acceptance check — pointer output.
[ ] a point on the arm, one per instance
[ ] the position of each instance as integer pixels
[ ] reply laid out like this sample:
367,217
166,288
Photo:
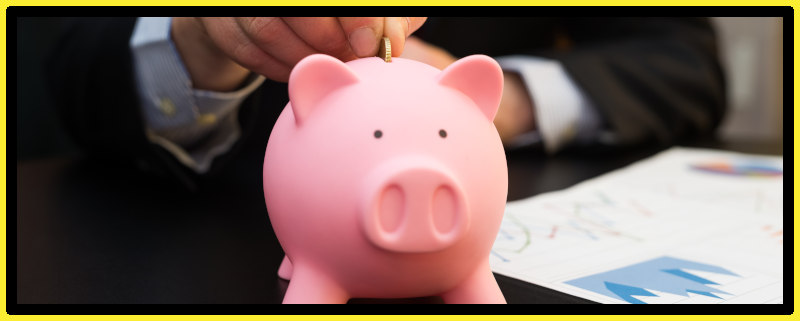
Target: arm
195,125
651,79
632,80
92,77
540,101
94,81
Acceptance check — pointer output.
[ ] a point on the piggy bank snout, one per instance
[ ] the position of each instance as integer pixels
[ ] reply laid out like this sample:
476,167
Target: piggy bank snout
415,206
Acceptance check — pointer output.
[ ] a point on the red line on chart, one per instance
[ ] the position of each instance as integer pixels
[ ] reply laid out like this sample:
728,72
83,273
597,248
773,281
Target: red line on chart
577,216
553,232
641,209
777,234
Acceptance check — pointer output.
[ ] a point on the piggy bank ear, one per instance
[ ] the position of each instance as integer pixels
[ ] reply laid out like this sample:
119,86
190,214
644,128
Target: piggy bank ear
480,78
312,79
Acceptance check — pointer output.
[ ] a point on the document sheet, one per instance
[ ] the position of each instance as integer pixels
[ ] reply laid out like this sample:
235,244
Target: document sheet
684,226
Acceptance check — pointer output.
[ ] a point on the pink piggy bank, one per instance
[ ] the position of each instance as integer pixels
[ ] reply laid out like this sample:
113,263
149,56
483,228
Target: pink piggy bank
388,180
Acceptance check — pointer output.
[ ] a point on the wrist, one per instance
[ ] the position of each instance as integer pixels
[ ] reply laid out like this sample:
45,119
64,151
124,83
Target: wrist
515,115
209,67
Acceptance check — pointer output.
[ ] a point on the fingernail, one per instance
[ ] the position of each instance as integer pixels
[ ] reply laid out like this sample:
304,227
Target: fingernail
364,42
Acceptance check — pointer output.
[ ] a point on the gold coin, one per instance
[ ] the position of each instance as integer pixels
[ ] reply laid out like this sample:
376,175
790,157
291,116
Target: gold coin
385,50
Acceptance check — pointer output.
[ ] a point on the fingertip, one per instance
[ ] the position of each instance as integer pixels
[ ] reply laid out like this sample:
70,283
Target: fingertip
398,29
363,34
414,23
395,28
363,43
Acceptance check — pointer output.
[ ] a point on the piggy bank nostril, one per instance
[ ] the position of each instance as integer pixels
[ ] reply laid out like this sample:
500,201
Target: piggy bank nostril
444,207
391,208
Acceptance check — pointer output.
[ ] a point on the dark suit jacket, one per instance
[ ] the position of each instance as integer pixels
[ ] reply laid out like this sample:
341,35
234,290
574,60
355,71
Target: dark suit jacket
651,79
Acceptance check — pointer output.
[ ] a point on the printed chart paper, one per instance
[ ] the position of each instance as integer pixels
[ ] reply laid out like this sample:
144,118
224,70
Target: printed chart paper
684,226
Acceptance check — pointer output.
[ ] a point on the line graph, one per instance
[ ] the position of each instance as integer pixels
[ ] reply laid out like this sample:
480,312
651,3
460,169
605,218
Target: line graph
592,219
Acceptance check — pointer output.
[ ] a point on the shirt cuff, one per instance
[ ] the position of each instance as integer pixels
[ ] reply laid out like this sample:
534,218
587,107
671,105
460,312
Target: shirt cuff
194,125
564,114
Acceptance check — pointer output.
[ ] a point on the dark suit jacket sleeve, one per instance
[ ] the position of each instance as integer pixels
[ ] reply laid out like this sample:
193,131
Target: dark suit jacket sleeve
91,77
651,79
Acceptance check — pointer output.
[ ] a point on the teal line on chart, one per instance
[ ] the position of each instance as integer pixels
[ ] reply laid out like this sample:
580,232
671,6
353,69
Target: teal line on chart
604,198
585,231
500,256
506,235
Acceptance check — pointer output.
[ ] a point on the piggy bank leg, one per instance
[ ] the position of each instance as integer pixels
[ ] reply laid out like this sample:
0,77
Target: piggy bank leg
311,287
285,270
480,287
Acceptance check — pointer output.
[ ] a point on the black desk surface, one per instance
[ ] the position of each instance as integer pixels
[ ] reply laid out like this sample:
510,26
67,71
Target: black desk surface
88,233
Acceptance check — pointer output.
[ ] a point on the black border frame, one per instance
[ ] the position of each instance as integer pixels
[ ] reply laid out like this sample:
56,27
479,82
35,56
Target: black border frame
13,308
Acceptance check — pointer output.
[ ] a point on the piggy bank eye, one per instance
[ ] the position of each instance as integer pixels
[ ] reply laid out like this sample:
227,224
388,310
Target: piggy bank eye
442,133
378,133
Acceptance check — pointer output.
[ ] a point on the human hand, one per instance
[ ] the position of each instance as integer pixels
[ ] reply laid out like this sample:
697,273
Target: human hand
427,53
220,52
515,115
